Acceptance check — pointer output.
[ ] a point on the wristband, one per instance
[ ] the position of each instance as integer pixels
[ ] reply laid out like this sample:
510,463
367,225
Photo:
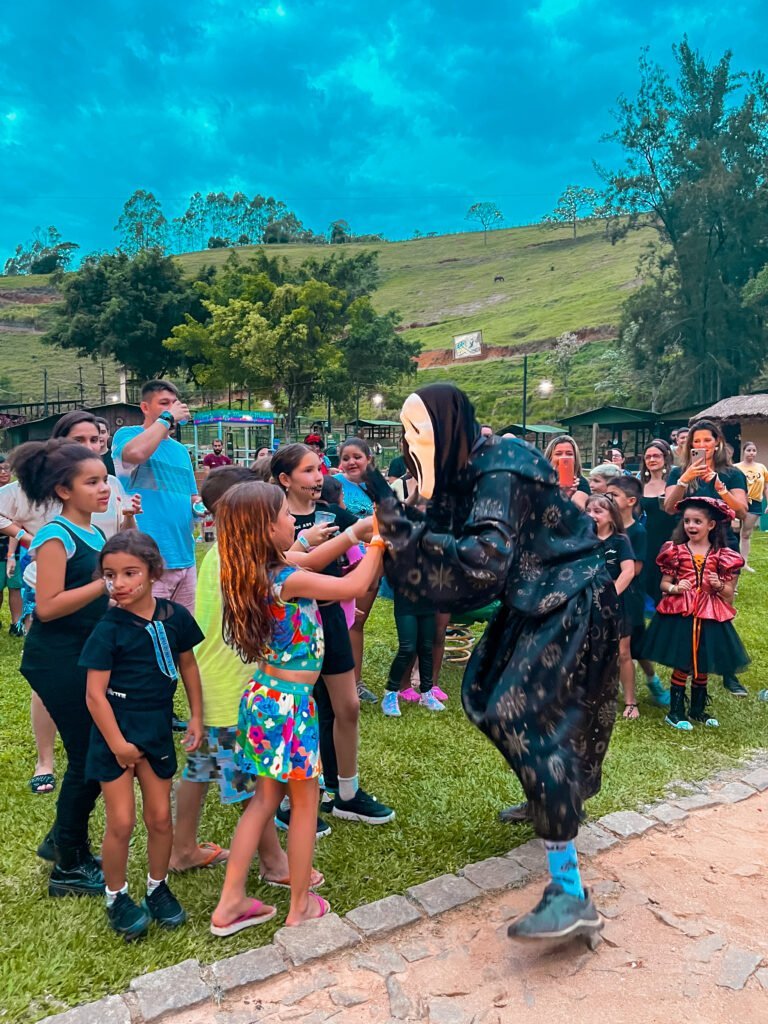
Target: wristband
304,543
349,533
167,419
20,534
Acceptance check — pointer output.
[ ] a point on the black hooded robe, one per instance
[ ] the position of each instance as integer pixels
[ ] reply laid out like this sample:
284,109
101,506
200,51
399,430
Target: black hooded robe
542,682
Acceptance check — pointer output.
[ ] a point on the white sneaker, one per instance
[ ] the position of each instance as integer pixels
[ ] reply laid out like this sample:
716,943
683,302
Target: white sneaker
390,704
429,701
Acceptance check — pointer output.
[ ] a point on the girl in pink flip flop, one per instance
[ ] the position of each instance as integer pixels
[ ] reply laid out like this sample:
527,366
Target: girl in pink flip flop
272,620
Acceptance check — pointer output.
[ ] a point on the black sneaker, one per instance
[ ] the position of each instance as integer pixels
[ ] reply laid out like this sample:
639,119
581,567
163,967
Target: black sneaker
283,820
83,879
516,814
47,849
127,919
163,907
179,725
326,802
734,687
16,629
362,807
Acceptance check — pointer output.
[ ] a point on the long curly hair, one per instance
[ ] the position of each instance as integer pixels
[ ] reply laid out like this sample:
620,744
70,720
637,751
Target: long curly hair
248,556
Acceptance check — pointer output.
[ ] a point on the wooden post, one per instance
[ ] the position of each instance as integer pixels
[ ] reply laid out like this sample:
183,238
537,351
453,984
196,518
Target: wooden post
594,444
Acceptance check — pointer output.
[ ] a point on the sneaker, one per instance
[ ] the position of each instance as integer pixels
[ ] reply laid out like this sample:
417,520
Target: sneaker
366,696
127,919
363,807
516,813
283,820
678,723
47,849
556,915
659,696
429,701
16,629
83,879
179,725
326,802
163,907
390,704
762,695
734,687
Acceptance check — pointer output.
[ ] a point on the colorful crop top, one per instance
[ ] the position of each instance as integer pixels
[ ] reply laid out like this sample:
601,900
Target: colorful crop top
297,631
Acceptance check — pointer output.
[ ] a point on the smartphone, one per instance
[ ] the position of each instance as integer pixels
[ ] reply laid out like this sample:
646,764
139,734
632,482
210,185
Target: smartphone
565,471
698,453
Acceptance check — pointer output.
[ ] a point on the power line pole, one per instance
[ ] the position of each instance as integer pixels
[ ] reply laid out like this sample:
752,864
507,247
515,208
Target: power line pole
103,385
45,392
81,386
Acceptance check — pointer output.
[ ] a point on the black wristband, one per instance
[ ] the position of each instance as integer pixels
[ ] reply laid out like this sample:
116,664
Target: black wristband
167,419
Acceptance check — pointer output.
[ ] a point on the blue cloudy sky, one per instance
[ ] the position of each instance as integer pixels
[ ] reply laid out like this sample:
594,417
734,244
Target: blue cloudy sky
393,115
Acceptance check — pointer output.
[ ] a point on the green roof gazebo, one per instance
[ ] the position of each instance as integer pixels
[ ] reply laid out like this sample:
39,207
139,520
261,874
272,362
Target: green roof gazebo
616,421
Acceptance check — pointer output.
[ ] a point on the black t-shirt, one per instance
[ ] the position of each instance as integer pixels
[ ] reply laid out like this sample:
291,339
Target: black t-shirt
583,485
616,549
343,520
397,467
123,644
731,477
638,538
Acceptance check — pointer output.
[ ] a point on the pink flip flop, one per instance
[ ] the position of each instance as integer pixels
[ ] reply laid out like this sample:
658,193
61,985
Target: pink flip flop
258,914
409,694
440,694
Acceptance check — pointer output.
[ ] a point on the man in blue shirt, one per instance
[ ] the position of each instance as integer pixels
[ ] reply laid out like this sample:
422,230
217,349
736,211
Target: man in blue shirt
150,462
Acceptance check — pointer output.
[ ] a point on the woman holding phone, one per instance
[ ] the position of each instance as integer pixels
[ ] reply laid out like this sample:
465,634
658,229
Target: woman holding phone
563,453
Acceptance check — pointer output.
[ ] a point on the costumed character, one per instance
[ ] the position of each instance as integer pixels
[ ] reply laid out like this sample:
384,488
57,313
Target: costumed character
542,682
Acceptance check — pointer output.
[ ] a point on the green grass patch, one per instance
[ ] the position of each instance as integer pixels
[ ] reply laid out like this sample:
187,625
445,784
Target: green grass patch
445,780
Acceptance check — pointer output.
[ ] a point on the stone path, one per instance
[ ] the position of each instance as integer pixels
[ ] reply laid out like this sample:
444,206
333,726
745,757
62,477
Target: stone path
685,940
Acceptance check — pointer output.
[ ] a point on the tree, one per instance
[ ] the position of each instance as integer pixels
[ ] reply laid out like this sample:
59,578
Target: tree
561,361
488,215
339,232
142,224
44,254
695,170
576,203
293,331
124,308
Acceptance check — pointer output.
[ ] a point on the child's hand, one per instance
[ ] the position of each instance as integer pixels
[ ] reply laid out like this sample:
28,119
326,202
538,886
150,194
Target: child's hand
128,755
714,581
685,585
364,529
133,506
319,533
193,737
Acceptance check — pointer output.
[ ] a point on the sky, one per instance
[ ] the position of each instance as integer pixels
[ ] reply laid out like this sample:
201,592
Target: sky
394,116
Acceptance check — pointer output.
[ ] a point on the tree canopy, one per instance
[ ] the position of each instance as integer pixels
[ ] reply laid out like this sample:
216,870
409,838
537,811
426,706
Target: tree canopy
695,169
487,215
44,254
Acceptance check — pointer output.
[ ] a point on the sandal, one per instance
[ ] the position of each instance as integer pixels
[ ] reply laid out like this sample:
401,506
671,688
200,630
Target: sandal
325,908
214,855
285,883
631,708
43,784
258,913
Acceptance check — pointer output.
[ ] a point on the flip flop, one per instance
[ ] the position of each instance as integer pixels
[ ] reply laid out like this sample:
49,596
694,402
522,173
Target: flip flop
38,781
258,914
325,908
214,855
409,694
440,694
285,883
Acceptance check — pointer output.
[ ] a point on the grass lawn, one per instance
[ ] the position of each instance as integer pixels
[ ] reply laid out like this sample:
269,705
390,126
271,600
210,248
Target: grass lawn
445,780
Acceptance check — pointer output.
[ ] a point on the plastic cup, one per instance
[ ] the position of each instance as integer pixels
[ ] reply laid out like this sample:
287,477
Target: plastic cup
324,518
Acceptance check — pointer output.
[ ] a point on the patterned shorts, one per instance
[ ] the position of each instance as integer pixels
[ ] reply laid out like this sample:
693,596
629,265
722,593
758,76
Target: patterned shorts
277,730
214,761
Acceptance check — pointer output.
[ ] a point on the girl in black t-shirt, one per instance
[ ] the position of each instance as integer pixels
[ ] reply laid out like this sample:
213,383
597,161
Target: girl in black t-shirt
132,657
620,563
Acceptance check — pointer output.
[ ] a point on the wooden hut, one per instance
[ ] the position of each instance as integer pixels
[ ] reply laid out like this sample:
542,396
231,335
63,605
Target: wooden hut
742,418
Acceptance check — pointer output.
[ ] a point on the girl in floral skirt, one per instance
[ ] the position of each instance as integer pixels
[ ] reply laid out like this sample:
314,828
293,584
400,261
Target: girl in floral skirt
271,618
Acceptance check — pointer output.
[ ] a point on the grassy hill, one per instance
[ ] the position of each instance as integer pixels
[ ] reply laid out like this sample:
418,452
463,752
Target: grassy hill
442,286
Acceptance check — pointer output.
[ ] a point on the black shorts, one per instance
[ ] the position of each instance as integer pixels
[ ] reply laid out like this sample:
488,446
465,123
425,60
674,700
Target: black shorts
338,656
150,730
755,508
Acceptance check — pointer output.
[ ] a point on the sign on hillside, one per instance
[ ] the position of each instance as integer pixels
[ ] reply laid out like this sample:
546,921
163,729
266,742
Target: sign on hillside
465,345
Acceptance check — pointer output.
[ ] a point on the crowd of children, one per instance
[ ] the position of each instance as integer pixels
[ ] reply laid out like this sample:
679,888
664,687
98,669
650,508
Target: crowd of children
271,659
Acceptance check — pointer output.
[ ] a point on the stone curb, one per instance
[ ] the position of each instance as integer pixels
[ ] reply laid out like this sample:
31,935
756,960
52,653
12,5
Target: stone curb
190,983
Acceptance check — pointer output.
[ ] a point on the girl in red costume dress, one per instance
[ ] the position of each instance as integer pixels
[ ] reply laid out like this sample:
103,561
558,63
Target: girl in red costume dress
692,631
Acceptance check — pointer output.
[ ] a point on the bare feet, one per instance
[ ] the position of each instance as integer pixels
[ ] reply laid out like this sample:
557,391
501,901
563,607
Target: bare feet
314,907
631,711
204,855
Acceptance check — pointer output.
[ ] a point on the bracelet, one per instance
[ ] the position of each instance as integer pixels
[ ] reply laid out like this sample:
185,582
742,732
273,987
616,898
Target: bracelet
377,541
304,543
349,533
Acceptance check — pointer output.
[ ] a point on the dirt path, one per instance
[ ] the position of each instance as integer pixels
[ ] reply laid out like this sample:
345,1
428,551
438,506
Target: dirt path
685,941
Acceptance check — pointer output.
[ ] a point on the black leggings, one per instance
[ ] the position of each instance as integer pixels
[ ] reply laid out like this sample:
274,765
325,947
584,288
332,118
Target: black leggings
63,694
325,720
416,636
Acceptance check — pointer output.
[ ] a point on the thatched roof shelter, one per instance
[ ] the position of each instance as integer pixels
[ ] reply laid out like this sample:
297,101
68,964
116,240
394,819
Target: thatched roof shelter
736,409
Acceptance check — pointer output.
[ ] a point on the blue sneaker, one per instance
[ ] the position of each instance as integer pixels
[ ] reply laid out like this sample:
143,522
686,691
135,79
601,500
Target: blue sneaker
659,695
556,916
390,704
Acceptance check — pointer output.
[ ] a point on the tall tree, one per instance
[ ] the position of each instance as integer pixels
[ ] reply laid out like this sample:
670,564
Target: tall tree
142,224
695,169
44,254
576,203
124,308
488,215
561,361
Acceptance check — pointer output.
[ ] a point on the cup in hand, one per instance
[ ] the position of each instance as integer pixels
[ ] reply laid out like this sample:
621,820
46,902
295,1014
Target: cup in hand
324,518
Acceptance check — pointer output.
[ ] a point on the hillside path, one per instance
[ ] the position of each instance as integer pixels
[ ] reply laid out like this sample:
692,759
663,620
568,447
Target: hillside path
685,940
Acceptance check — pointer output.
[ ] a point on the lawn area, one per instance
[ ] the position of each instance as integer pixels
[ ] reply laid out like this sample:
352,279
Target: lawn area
444,779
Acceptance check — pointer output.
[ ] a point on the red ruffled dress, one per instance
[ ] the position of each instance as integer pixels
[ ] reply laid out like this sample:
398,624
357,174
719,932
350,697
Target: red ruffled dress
692,630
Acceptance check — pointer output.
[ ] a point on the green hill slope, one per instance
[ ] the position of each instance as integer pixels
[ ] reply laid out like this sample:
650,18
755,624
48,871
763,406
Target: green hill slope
442,286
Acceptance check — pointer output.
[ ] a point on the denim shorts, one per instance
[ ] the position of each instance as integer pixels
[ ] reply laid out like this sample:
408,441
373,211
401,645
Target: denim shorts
214,761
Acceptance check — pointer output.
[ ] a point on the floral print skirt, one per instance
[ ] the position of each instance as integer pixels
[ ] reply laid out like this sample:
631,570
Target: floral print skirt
277,732
544,692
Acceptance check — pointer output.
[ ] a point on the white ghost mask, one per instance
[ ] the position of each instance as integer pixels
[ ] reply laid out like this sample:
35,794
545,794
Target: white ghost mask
419,435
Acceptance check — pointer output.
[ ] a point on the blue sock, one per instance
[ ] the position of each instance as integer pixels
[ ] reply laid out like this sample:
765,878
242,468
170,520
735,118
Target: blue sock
564,867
